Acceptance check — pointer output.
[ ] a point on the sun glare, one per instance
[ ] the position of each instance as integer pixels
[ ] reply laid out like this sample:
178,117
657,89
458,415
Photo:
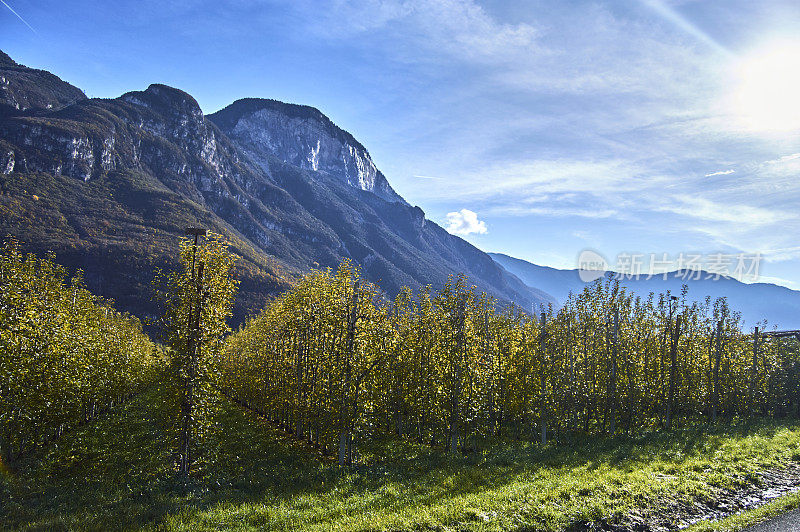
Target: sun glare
767,94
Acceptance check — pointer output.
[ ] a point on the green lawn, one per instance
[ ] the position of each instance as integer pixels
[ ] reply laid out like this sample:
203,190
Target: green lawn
117,473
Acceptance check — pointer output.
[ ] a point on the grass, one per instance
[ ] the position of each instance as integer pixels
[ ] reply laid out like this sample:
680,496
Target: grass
117,473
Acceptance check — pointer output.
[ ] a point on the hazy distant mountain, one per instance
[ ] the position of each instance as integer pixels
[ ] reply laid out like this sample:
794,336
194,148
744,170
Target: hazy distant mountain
779,305
110,184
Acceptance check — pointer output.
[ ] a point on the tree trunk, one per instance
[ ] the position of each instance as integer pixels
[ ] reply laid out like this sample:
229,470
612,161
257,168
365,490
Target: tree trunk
717,356
673,360
612,384
753,368
344,410
456,384
191,373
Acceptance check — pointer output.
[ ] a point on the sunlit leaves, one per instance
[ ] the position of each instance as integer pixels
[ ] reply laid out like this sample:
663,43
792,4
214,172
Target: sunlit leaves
435,366
65,354
197,300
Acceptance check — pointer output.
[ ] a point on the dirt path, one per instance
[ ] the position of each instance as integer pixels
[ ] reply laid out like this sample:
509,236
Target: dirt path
773,484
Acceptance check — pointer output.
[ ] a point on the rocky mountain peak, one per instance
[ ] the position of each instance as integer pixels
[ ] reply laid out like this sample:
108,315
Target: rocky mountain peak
167,101
232,114
25,89
290,187
304,137
176,116
5,60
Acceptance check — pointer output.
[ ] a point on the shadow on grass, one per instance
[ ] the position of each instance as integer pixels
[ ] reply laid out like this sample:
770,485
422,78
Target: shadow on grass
118,471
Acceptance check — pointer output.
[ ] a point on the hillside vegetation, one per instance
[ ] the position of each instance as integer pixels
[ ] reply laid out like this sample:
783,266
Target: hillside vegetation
109,185
338,409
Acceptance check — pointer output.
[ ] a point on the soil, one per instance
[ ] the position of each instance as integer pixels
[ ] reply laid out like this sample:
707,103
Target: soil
678,515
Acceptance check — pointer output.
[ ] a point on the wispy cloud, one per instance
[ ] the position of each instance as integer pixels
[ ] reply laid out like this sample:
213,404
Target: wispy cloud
540,178
777,280
460,28
706,209
784,159
465,222
575,114
556,211
671,15
779,254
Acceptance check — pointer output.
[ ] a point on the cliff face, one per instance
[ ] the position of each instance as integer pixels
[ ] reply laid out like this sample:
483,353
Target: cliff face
107,183
303,137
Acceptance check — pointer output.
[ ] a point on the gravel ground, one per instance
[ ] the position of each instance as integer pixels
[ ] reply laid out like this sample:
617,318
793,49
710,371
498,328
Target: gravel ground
789,522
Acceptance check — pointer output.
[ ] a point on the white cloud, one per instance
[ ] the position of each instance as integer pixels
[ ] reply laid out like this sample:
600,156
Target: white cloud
555,211
536,181
776,280
784,159
780,254
574,112
465,222
705,209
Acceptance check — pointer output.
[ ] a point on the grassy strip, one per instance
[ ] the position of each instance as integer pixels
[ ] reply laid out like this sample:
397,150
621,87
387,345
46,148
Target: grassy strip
750,517
118,473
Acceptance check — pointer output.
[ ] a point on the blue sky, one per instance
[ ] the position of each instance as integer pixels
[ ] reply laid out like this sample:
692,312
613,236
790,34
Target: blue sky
534,128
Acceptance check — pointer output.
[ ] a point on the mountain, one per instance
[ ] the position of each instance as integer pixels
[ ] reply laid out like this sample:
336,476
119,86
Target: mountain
778,305
108,185
23,88
303,137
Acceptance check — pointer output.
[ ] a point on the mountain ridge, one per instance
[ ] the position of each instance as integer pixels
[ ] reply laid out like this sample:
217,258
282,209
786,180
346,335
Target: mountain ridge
28,89
255,125
102,182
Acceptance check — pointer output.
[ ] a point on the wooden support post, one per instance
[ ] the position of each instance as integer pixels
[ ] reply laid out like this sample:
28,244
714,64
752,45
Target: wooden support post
455,400
753,368
717,356
542,379
673,371
344,419
612,385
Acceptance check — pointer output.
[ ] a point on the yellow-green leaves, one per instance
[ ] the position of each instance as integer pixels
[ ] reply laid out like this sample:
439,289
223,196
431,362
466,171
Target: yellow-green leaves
65,354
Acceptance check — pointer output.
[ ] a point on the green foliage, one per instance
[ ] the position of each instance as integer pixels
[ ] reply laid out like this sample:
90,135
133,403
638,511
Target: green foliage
65,354
306,360
197,301
451,368
177,291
